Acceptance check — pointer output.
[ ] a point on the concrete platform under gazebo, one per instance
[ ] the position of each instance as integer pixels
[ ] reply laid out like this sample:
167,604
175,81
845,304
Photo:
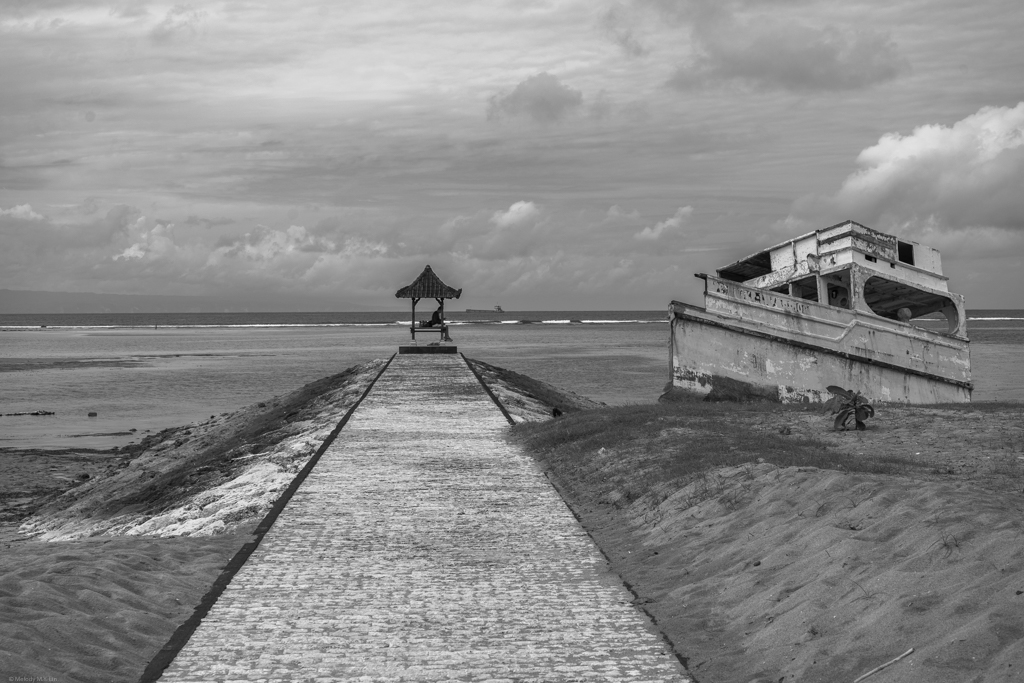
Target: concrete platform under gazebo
429,286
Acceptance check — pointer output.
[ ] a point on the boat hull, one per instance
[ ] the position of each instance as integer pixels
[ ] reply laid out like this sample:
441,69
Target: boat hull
722,358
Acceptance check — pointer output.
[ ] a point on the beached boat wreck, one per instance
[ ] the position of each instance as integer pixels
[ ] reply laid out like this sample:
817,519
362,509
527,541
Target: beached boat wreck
837,306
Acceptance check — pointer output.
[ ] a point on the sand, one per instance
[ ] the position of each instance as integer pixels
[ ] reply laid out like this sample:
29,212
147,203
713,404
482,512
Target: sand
809,575
768,574
100,609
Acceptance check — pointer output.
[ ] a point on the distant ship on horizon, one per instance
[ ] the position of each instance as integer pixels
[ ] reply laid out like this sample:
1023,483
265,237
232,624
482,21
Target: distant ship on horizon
496,309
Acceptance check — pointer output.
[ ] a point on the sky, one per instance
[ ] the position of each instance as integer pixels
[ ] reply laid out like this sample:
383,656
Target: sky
539,154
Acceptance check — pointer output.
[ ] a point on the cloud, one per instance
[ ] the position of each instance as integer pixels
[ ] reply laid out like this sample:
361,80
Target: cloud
616,212
182,22
541,98
151,245
936,179
119,245
266,244
619,25
517,231
770,53
22,212
207,222
24,230
518,213
297,259
653,233
600,107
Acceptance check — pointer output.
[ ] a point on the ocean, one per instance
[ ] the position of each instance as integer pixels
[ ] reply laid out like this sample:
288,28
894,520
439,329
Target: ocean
151,371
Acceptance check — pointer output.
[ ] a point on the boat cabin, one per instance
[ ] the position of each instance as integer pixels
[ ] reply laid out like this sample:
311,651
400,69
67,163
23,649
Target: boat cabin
854,267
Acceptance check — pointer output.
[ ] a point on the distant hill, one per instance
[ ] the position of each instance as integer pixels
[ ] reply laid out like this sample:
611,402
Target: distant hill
27,301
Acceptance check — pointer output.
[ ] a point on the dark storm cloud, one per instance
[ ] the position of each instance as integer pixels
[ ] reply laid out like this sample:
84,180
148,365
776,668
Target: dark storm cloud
542,98
792,57
771,45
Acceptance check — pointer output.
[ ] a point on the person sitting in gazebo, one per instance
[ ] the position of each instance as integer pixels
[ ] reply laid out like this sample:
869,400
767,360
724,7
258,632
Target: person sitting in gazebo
435,319
438,319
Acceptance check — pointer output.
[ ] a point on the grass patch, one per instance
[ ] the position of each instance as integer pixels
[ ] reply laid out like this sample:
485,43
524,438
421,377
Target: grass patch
630,452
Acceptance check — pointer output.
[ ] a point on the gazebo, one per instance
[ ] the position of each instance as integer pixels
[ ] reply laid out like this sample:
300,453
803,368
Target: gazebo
428,286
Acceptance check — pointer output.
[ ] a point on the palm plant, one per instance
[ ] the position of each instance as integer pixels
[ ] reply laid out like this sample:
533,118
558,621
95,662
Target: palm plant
845,404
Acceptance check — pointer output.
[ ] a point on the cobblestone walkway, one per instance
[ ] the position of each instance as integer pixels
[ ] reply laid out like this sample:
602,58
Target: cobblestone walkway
423,547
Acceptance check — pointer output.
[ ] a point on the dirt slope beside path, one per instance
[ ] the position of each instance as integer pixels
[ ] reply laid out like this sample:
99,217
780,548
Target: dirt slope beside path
769,548
209,478
799,574
981,443
99,609
527,399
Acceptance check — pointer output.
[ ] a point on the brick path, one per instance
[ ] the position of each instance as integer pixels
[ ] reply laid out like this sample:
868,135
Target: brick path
423,547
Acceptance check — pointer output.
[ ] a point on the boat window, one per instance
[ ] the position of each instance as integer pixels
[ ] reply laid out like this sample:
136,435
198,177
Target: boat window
886,298
805,289
838,296
837,286
905,252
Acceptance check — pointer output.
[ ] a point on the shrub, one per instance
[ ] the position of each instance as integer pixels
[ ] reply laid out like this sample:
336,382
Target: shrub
848,404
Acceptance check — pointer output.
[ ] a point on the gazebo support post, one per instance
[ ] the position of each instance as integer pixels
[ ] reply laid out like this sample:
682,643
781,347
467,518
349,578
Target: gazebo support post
413,328
444,326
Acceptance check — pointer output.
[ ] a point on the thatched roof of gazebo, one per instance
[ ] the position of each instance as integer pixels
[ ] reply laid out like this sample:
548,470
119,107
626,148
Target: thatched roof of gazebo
428,286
